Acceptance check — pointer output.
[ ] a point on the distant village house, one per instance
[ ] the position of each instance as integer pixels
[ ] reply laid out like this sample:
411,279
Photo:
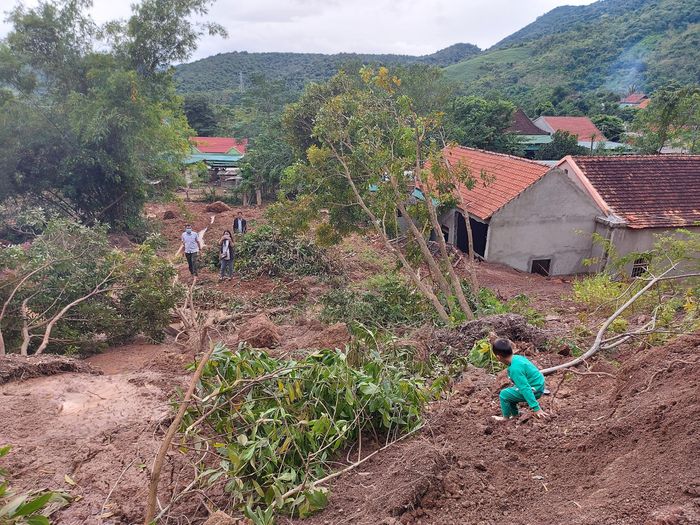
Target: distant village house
221,155
540,219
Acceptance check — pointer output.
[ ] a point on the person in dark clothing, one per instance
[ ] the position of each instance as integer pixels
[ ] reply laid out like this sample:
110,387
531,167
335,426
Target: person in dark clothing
226,256
240,225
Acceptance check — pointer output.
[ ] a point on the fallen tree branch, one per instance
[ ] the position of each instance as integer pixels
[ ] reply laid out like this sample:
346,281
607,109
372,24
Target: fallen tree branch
174,425
599,337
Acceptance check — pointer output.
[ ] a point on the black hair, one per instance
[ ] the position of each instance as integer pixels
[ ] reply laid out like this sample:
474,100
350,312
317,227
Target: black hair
502,347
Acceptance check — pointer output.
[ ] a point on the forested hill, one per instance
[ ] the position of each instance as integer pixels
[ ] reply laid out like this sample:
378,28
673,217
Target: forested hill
612,44
225,71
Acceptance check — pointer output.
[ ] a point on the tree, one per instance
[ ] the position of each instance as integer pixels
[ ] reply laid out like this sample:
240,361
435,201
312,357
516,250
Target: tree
89,129
672,119
481,123
563,144
71,290
611,126
367,150
200,116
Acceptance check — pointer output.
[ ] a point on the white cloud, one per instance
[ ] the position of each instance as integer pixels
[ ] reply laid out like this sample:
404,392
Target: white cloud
366,26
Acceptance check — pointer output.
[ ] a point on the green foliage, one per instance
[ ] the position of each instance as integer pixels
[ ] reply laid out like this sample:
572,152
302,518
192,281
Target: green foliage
26,509
88,126
214,76
672,119
387,302
610,125
200,116
68,262
482,356
292,417
267,251
483,124
612,45
563,143
490,304
599,290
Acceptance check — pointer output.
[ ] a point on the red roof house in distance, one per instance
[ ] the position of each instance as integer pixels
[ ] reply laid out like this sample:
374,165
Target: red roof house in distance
582,127
635,100
221,145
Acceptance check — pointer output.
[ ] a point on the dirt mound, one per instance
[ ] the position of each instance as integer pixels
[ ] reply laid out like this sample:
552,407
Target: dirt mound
461,340
169,214
17,367
260,332
217,207
617,450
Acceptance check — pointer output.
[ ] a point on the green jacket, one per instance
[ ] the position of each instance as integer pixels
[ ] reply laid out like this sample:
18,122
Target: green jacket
526,377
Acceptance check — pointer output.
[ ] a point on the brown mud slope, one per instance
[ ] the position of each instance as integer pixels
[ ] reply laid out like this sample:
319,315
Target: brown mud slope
92,435
16,367
622,447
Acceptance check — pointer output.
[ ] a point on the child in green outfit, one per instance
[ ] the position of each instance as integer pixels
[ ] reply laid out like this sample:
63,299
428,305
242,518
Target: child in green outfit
527,378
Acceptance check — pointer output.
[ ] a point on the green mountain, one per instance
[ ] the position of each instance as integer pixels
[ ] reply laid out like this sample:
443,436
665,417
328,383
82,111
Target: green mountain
610,44
226,72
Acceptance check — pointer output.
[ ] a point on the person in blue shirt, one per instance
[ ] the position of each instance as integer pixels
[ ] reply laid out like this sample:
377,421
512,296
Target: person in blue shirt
527,379
191,244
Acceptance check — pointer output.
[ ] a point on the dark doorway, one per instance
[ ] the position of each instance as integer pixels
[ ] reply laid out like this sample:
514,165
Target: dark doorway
480,232
541,266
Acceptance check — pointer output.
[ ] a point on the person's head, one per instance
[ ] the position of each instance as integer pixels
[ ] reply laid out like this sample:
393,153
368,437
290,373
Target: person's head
188,228
502,349
227,234
240,214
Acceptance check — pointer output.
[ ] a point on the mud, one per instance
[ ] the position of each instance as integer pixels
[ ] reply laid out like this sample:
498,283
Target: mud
17,368
619,450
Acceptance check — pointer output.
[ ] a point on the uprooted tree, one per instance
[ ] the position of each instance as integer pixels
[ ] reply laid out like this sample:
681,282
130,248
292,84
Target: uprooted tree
69,290
372,161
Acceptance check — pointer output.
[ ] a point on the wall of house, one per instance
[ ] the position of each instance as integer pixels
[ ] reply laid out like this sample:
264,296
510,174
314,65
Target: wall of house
552,219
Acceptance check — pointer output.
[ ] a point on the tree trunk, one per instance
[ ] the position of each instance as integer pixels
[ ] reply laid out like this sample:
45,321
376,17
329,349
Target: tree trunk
456,283
245,198
24,349
258,196
470,247
425,290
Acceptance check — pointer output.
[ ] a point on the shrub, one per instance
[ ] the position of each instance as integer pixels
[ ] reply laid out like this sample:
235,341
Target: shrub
292,417
598,290
482,356
388,302
268,251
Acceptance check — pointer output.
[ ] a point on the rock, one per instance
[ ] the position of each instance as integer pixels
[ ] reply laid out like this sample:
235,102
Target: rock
221,518
218,207
551,318
480,466
260,332
169,214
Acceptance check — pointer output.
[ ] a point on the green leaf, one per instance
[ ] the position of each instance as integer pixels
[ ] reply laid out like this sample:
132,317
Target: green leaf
242,439
11,507
33,505
369,389
38,520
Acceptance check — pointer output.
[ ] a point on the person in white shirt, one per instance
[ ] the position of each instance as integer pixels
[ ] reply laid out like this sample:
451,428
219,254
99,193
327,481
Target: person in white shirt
191,244
226,256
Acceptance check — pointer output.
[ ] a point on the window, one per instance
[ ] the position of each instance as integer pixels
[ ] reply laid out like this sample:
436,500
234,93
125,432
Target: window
541,266
640,266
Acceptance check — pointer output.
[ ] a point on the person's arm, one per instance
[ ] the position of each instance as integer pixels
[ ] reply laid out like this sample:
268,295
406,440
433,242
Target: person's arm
199,241
525,389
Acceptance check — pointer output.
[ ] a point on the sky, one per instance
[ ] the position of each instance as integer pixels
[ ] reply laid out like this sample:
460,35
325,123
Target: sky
414,27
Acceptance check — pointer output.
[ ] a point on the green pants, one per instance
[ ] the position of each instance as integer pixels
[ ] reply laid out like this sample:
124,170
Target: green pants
510,397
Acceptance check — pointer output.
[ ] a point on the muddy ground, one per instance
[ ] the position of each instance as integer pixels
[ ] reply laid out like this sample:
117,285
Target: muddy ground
621,447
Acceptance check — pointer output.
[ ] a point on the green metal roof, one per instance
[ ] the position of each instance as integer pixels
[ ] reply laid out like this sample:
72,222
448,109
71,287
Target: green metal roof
216,160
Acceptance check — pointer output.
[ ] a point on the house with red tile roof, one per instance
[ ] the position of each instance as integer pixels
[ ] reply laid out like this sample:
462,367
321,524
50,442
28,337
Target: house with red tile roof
522,213
541,219
639,196
635,100
582,127
217,152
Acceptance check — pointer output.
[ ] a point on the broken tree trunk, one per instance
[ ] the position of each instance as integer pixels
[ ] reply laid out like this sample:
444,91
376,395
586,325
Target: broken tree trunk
595,347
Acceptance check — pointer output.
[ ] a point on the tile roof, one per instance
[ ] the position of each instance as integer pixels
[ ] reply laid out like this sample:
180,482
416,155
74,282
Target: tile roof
219,144
510,176
634,98
648,191
583,127
522,125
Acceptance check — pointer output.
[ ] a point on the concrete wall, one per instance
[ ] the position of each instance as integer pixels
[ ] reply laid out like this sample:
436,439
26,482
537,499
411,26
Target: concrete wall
552,219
